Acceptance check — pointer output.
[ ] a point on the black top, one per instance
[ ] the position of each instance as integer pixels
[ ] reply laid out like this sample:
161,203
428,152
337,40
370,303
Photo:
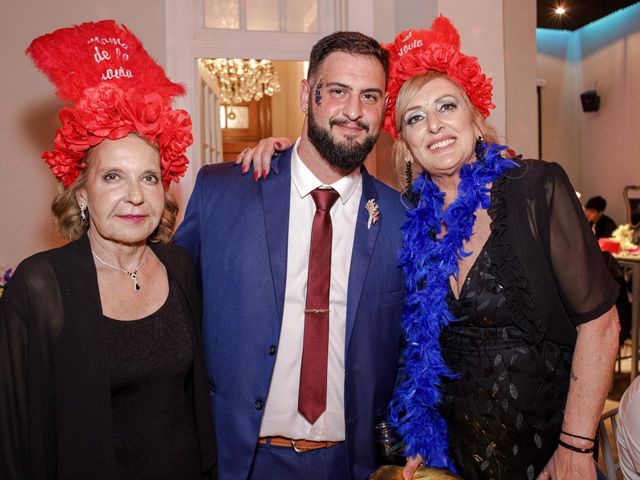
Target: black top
153,428
604,227
55,390
545,254
539,275
504,409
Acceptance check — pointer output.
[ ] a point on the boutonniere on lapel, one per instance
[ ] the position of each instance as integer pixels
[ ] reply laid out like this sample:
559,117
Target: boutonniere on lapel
374,212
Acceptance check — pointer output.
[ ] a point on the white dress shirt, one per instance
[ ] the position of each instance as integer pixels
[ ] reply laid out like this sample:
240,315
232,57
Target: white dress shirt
628,435
281,416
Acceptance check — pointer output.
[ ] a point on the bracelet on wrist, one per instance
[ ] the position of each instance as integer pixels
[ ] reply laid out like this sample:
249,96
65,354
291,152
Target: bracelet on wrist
578,436
568,446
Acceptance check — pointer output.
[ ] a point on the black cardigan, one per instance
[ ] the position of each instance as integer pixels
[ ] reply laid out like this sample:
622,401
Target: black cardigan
55,391
547,258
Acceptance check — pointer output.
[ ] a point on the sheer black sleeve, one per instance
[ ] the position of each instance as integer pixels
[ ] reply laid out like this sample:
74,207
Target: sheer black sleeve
585,285
13,378
30,319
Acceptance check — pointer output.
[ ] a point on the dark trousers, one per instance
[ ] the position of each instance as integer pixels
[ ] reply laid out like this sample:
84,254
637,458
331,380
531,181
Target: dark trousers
281,463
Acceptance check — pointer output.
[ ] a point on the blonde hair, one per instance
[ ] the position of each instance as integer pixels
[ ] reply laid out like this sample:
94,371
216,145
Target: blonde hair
400,152
71,225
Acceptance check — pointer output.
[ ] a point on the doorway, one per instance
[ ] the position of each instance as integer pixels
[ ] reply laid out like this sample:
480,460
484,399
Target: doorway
235,125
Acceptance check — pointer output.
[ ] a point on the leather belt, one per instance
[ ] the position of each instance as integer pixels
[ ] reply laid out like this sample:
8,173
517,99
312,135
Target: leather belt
298,445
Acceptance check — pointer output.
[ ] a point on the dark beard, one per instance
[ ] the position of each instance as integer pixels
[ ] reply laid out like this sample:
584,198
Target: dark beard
347,155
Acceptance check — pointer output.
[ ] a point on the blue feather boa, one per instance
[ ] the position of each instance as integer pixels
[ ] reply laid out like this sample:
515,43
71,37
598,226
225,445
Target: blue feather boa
428,263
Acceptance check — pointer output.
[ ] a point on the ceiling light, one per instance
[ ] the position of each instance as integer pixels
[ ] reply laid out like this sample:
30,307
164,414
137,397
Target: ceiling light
560,10
242,80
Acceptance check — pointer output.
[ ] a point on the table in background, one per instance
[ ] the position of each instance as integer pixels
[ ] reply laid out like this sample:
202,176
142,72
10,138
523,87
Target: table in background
633,262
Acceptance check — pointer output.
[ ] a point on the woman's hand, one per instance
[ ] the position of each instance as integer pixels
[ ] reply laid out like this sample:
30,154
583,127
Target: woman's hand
261,155
568,465
412,465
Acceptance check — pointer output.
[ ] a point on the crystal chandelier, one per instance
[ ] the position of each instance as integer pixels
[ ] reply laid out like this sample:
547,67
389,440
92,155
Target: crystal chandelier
242,80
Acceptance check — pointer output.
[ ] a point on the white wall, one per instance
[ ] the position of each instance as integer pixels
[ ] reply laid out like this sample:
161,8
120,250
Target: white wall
600,149
286,116
28,117
521,115
558,108
609,140
480,24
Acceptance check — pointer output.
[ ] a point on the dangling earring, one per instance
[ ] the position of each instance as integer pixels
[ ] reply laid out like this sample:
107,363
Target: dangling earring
408,177
83,214
480,149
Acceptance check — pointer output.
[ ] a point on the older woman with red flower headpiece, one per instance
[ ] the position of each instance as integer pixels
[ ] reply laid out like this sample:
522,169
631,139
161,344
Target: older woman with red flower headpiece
510,319
103,374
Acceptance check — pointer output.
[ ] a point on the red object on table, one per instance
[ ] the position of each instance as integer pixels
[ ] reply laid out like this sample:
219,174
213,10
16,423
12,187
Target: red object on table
609,245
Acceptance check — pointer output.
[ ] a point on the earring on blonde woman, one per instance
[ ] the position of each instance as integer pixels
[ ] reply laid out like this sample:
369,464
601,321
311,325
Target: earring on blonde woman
408,172
480,149
83,209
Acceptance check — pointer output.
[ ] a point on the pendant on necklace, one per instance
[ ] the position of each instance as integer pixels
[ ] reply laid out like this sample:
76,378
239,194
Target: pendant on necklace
133,275
134,278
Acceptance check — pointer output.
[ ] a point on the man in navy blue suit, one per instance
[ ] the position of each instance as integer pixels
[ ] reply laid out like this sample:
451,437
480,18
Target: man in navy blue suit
251,242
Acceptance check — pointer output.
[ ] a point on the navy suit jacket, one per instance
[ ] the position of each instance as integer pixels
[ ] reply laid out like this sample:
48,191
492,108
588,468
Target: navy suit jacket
237,230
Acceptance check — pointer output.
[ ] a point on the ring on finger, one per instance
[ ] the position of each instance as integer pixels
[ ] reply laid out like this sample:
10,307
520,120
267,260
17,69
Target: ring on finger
247,150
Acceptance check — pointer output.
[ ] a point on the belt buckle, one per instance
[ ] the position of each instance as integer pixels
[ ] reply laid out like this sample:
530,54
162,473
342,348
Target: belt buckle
295,448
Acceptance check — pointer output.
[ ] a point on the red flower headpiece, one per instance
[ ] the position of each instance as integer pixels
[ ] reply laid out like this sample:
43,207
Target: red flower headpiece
417,51
116,88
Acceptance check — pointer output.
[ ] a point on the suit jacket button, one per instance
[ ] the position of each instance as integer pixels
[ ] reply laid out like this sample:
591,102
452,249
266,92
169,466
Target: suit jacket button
272,350
259,404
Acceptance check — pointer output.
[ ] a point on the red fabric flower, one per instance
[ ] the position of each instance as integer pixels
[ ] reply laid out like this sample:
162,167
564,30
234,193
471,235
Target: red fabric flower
65,166
147,113
117,89
414,52
107,112
438,56
174,141
467,69
98,110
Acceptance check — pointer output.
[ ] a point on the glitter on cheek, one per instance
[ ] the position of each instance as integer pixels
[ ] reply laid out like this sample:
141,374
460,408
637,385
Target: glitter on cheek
318,95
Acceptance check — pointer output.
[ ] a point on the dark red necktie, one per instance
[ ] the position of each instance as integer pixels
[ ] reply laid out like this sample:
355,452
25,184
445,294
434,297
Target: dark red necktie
312,397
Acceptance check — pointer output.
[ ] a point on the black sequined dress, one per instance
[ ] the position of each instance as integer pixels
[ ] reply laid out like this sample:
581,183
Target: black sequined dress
504,411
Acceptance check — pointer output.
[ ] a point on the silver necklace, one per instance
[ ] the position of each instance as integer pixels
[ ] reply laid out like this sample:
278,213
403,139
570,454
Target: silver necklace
133,275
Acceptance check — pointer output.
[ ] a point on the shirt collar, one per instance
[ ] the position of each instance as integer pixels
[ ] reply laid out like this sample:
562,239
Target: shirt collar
305,181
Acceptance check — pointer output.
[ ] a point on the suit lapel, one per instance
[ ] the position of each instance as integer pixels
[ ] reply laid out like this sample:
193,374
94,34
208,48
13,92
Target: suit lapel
364,241
275,201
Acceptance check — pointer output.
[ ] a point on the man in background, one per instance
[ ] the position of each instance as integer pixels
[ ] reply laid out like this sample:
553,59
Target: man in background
602,225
